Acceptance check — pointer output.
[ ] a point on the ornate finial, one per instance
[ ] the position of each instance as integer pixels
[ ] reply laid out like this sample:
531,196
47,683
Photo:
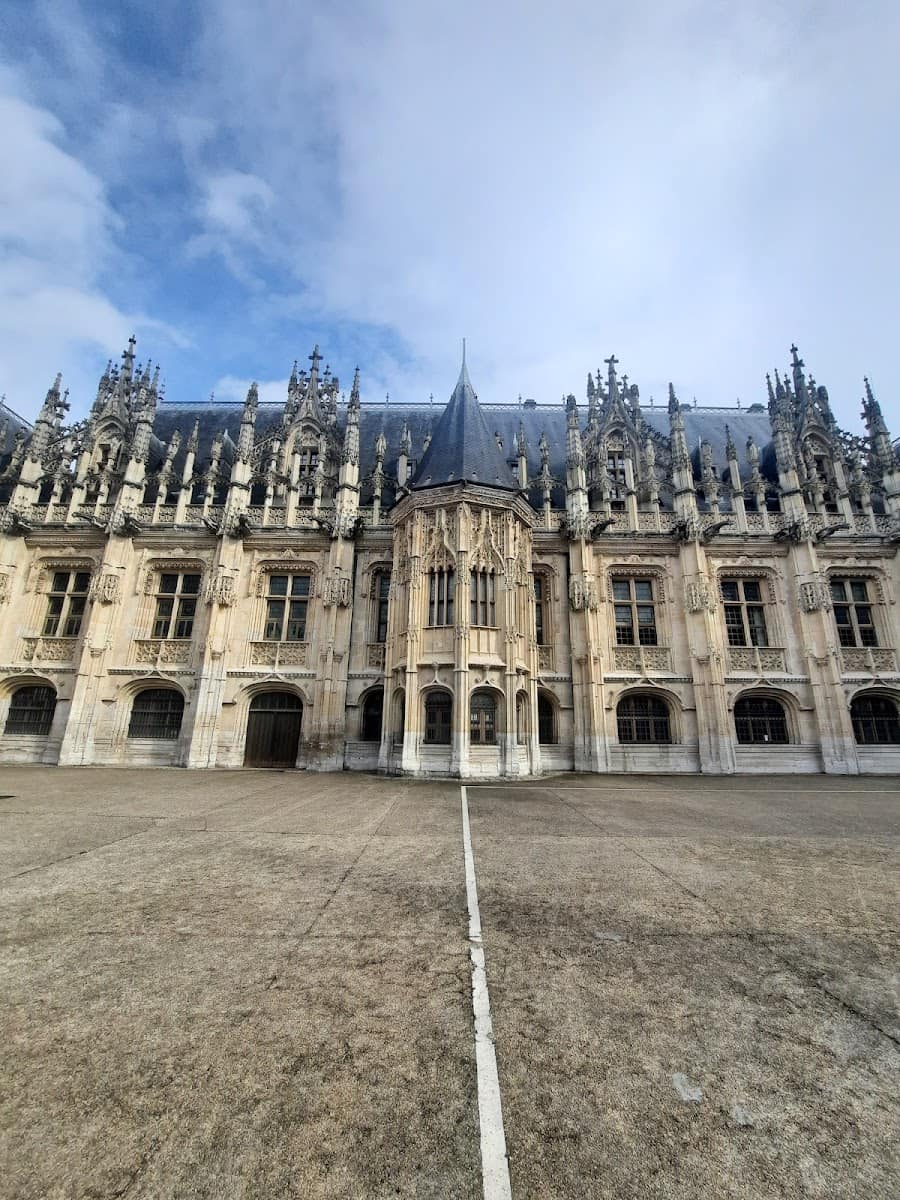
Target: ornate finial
315,358
464,352
611,375
730,447
521,443
591,391
673,400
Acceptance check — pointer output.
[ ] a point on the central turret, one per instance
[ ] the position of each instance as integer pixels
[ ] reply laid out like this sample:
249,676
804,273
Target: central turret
462,449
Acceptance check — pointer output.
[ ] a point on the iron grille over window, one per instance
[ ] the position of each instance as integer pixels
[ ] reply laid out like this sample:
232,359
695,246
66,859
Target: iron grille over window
31,710
854,621
875,721
635,606
176,605
759,720
481,607
286,608
643,719
66,603
441,588
483,719
745,614
438,707
156,713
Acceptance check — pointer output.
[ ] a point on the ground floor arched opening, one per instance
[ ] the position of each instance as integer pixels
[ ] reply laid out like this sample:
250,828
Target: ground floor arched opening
273,730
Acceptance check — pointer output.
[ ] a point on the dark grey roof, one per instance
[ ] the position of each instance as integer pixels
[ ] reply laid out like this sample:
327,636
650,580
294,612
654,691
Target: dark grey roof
463,449
501,420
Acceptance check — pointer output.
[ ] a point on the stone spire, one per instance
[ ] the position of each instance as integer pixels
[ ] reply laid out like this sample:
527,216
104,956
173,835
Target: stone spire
248,425
879,438
47,422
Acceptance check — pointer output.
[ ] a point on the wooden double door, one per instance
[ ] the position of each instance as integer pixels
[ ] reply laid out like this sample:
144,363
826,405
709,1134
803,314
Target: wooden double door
273,730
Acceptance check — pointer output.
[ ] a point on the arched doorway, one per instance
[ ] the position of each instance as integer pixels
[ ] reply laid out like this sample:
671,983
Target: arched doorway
273,730
372,713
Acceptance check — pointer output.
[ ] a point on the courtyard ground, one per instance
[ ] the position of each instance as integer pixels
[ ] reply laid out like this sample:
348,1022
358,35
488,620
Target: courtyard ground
257,984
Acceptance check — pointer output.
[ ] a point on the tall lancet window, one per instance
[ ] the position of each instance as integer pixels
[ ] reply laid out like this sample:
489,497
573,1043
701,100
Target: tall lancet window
441,589
482,608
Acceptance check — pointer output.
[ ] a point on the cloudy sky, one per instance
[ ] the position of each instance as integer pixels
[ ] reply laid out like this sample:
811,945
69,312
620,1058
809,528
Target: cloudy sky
692,185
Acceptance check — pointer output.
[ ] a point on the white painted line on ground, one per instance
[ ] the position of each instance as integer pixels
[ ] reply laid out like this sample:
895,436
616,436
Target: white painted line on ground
494,1163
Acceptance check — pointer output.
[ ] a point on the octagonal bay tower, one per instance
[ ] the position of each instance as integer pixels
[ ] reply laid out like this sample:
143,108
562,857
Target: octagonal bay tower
460,658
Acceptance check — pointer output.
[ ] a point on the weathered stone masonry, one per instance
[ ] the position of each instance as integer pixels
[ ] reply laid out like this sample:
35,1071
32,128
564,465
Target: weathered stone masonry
475,590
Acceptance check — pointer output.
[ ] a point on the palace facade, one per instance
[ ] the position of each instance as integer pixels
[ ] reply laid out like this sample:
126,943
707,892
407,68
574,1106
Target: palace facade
472,589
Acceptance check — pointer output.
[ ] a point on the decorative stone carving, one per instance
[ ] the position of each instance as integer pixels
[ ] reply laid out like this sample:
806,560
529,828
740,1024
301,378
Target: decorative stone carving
5,585
761,660
161,650
220,589
642,659
106,588
583,593
870,658
337,591
698,595
375,655
48,649
815,594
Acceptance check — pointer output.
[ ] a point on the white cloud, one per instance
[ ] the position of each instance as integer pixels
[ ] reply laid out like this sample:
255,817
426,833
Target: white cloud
272,391
675,182
58,236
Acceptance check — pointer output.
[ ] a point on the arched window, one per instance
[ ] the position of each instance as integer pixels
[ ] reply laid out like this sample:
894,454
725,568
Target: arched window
546,721
156,713
483,719
759,720
643,719
875,721
438,707
31,710
373,709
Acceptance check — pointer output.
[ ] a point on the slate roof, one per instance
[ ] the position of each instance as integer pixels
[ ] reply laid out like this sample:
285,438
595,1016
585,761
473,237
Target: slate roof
463,449
499,419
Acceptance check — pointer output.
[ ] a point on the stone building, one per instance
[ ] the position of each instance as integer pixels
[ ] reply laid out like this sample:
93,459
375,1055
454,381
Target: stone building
470,589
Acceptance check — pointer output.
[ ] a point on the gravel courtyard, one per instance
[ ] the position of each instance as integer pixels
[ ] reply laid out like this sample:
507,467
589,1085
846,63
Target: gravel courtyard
257,984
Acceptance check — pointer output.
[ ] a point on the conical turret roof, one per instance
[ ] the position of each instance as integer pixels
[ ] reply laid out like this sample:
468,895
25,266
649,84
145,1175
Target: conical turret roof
463,449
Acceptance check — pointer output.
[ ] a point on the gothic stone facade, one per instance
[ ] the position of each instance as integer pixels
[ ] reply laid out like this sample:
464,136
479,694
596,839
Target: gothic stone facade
474,590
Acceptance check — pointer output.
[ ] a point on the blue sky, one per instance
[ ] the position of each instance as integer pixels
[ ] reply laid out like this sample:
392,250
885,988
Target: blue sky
692,185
